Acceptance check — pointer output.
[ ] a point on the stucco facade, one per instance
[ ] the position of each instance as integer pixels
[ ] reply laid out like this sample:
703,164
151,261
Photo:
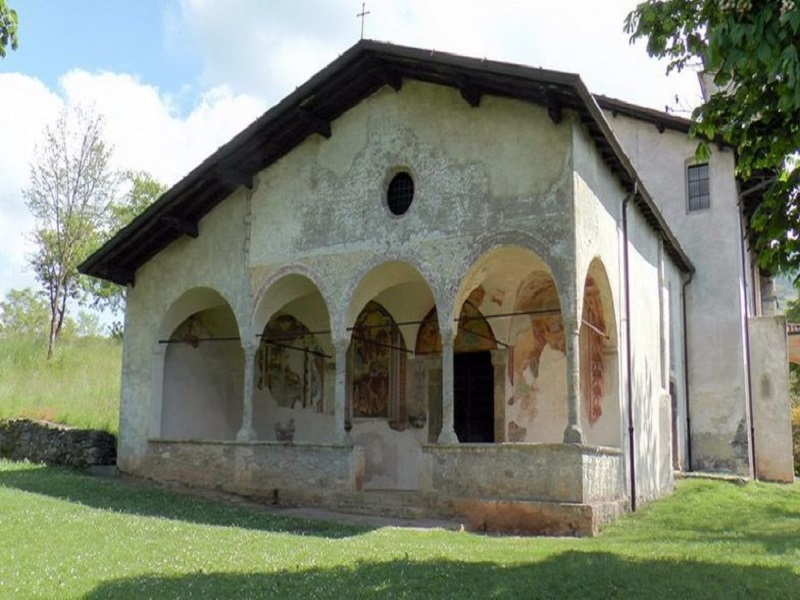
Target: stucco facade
507,348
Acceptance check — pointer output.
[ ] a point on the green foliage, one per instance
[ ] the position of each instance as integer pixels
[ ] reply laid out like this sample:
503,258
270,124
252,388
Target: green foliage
72,186
751,49
80,386
24,313
67,535
8,28
143,190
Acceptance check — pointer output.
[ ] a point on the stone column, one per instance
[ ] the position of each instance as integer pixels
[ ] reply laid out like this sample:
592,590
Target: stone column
157,391
340,435
499,361
448,434
573,433
247,433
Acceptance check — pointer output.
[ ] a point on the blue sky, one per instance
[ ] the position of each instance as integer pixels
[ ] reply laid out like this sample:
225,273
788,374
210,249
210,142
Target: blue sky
175,79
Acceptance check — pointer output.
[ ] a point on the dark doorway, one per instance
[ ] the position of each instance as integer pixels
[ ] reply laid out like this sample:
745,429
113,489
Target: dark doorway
473,392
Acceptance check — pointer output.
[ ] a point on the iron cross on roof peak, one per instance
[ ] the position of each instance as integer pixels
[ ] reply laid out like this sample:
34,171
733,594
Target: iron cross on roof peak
362,15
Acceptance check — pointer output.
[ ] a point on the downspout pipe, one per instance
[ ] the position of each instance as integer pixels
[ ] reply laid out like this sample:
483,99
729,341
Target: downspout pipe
628,358
746,324
686,372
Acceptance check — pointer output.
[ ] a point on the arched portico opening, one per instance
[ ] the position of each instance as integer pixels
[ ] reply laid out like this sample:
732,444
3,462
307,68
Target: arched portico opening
386,385
294,365
601,413
514,290
199,395
473,374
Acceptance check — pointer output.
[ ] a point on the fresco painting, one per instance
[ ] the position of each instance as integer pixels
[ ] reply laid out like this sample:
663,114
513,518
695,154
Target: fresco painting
377,349
593,316
532,332
290,364
474,332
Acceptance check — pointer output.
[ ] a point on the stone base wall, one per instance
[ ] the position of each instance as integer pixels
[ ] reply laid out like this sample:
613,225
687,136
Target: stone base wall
543,472
771,402
285,473
37,441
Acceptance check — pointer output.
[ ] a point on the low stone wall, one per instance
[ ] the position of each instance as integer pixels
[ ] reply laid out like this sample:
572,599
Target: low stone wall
36,441
544,472
286,473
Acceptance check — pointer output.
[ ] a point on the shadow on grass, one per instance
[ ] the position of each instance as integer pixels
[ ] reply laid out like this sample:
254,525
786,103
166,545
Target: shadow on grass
139,498
568,575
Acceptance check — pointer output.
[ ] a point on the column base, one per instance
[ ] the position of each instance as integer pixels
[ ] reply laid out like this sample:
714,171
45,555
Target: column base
246,434
343,438
573,434
447,437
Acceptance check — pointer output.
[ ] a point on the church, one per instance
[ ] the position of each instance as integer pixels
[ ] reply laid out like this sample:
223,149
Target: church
431,285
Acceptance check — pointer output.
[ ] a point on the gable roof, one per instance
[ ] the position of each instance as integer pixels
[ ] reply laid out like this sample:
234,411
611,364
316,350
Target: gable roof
359,72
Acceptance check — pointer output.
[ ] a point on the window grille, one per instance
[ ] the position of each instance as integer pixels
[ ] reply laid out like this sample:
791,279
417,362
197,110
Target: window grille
699,195
400,193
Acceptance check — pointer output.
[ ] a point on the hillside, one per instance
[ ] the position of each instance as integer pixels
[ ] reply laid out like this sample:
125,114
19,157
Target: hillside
79,386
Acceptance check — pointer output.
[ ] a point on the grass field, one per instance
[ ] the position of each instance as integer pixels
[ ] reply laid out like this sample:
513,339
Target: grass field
78,386
66,535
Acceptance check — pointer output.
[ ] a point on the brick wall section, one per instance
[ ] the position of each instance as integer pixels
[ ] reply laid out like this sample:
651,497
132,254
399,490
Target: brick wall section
36,441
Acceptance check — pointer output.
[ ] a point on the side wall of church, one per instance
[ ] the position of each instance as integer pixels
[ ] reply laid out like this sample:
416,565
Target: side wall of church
715,297
599,199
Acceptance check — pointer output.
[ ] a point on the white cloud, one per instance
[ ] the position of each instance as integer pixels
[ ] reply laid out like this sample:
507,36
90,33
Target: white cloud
268,48
27,104
142,125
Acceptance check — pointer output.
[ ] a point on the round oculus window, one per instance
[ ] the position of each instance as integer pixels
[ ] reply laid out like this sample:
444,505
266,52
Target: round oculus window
400,193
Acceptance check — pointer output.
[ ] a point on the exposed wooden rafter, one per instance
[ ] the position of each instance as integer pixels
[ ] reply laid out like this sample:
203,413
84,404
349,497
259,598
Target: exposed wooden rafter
182,226
317,124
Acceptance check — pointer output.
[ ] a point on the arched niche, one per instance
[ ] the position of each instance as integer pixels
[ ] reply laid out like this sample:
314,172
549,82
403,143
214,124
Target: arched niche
199,395
601,413
293,391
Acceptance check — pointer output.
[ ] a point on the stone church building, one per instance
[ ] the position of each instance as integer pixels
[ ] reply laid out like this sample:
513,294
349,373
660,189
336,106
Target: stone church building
424,284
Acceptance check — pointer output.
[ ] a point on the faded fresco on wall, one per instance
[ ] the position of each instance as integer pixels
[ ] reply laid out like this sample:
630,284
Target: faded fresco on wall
378,363
474,332
538,296
537,325
593,328
291,364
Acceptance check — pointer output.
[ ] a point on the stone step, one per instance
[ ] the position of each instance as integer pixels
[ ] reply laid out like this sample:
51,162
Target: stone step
396,504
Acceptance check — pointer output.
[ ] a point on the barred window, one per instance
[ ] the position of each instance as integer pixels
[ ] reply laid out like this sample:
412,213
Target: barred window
400,193
699,196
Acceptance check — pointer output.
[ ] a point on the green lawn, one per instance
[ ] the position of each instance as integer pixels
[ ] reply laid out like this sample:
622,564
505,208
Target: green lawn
79,386
66,535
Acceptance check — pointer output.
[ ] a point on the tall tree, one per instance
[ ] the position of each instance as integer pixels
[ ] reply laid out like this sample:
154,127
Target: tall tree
72,186
8,28
750,48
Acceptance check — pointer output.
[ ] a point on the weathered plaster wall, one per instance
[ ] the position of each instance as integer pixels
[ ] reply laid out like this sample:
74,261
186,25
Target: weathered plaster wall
717,374
208,262
771,402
